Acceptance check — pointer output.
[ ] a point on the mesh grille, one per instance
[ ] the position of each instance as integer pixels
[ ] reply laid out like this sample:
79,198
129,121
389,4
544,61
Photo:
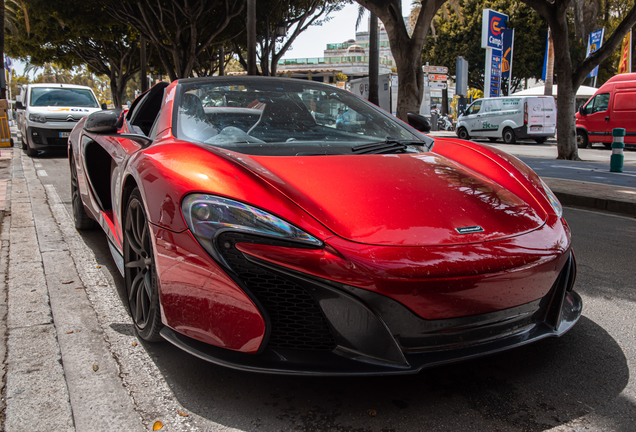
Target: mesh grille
297,320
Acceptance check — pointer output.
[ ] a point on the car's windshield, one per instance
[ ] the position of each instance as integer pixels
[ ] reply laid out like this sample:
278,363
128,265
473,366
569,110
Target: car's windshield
62,97
284,117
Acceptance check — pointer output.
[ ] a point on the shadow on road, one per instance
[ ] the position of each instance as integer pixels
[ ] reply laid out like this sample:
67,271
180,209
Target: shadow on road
531,388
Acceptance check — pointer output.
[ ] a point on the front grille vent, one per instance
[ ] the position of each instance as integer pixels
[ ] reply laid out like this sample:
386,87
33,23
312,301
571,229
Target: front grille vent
296,319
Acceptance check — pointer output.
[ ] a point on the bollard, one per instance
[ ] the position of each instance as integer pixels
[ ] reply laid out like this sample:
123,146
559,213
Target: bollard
616,161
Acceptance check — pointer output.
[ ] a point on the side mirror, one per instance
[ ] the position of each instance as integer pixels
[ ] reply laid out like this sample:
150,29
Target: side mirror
107,122
102,122
18,105
419,122
582,110
104,106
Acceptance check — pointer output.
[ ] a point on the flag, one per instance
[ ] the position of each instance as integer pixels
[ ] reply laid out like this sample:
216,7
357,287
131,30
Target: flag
594,42
545,57
625,62
506,61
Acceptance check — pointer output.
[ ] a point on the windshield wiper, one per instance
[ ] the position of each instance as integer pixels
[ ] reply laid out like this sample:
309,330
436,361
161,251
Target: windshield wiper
389,145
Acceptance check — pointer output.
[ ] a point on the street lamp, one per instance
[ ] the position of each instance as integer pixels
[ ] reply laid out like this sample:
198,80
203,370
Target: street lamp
281,29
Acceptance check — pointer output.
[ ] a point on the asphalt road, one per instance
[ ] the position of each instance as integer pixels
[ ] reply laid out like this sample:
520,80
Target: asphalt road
582,381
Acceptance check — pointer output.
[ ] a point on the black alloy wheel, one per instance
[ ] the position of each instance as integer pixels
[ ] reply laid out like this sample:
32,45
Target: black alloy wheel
463,134
81,218
140,272
509,136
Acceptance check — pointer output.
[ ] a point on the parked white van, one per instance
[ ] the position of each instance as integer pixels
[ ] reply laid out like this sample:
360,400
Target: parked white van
510,118
48,112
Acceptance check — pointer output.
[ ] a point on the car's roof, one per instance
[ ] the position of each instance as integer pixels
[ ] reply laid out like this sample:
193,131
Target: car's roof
246,78
53,85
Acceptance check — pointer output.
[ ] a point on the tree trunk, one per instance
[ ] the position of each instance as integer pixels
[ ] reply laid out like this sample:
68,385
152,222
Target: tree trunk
374,60
566,125
251,37
410,83
143,74
221,60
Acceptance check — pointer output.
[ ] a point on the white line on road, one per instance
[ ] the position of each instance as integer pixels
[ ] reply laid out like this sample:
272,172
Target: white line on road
42,173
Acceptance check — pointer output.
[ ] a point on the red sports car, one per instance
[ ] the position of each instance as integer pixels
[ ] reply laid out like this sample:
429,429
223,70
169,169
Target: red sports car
288,226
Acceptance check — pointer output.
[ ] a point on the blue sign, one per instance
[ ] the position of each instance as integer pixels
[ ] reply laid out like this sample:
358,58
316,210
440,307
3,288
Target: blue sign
594,42
495,74
506,61
492,27
545,57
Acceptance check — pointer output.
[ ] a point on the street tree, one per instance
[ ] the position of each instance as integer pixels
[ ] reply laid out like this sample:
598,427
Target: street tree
180,32
571,75
458,33
406,50
75,32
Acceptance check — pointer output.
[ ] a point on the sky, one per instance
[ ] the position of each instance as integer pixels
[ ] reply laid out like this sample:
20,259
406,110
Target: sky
313,41
342,27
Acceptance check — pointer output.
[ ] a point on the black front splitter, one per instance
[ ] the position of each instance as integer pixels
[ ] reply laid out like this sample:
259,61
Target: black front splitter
344,363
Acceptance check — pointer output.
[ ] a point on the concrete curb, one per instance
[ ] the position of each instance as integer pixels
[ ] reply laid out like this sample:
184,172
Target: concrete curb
597,196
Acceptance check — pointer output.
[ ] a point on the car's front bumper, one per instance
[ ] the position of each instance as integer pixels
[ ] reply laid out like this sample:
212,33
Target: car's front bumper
371,333
49,138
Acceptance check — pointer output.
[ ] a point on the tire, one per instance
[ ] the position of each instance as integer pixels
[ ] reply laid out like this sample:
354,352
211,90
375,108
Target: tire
582,140
31,152
492,139
140,271
509,136
608,145
82,219
540,140
462,133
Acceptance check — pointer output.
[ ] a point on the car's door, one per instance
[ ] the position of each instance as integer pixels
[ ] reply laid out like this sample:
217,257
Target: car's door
597,117
472,119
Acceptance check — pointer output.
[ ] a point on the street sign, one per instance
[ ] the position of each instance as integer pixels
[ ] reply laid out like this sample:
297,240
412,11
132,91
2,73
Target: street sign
433,77
437,85
435,69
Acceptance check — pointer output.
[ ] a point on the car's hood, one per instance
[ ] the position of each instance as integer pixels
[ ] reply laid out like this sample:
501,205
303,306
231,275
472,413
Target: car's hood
53,113
420,199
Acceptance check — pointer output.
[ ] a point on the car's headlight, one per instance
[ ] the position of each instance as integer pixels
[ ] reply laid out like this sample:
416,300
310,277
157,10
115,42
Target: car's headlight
556,205
37,118
208,215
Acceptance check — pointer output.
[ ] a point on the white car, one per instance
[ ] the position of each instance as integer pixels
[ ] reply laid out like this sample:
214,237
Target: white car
48,112
510,118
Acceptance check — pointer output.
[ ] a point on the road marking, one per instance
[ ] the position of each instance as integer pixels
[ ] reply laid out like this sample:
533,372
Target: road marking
37,165
42,173
601,212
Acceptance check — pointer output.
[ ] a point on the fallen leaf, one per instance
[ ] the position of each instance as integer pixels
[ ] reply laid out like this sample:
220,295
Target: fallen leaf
102,284
79,287
69,332
101,267
103,316
158,425
95,368
66,283
372,412
134,344
182,414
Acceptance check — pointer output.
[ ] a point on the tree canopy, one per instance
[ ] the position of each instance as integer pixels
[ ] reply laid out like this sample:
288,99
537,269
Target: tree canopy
455,36
76,32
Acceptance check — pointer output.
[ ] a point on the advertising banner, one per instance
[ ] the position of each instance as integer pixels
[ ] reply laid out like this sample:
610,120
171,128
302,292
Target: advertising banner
508,45
493,24
625,60
495,74
594,42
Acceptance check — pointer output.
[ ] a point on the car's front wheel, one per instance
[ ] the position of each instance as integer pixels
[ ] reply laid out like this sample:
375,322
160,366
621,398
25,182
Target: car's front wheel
582,140
140,271
462,133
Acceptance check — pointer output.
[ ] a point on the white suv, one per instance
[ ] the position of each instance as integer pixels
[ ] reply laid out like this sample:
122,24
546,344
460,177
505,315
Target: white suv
48,112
